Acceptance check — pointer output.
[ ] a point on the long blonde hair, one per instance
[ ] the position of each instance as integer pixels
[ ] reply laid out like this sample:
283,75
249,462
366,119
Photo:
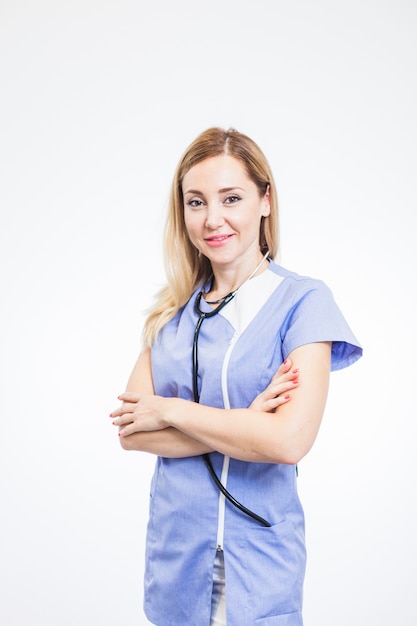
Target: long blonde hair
185,267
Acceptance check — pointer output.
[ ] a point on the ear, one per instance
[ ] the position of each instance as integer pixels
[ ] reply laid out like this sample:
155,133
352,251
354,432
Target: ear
266,204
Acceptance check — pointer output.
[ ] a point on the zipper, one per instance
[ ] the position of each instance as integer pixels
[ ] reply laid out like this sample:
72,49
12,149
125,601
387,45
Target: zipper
226,460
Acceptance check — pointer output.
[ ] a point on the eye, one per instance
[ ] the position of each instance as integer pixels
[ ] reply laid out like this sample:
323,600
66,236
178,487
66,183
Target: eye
232,199
195,204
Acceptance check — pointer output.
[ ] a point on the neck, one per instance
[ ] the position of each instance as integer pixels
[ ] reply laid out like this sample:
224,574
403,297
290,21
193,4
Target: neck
221,287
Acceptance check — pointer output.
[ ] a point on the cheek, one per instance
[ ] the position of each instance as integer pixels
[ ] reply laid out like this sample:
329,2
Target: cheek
193,222
251,224
192,228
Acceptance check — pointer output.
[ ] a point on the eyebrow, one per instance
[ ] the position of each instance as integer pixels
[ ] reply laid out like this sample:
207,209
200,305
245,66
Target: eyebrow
223,190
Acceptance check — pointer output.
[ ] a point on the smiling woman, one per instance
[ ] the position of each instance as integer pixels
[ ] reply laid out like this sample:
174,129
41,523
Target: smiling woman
222,212
228,393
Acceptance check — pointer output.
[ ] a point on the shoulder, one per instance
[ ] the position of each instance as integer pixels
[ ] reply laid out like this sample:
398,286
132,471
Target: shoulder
290,275
314,316
297,283
302,293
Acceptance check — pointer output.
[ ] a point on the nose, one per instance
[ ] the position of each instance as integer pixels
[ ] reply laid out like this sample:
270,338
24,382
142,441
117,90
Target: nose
214,215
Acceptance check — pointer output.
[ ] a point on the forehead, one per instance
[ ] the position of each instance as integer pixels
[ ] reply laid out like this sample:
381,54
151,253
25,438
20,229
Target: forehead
217,172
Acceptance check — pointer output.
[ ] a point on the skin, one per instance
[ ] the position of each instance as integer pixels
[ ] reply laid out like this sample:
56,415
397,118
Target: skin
170,441
222,211
222,214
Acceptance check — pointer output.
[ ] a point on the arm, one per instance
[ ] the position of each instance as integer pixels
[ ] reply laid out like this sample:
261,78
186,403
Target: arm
169,441
172,442
282,436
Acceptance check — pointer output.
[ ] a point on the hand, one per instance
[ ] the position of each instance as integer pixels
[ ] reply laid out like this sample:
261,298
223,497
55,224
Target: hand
139,413
277,392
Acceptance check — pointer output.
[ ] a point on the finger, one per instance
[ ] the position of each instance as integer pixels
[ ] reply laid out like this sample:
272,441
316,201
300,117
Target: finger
130,428
125,431
282,399
285,370
129,396
124,419
285,378
284,367
274,403
278,388
126,407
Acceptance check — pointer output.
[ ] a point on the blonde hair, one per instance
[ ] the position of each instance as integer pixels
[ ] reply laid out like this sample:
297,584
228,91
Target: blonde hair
186,268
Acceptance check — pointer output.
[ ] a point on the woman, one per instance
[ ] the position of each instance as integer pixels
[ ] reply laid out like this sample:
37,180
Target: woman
204,398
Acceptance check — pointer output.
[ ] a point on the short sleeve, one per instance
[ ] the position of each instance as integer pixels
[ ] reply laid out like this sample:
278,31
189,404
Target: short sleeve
315,317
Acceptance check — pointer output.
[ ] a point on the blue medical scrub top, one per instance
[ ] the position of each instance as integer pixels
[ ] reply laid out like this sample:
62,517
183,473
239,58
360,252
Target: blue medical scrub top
240,349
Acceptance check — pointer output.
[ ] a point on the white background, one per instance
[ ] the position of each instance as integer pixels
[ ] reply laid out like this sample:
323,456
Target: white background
99,98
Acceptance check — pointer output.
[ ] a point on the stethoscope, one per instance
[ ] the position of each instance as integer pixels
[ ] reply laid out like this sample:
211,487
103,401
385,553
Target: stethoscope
202,316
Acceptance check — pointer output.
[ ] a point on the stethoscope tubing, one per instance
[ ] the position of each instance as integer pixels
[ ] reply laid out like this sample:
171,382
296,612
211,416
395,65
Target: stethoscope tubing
202,316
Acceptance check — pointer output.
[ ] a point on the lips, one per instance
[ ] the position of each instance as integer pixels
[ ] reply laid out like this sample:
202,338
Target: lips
218,240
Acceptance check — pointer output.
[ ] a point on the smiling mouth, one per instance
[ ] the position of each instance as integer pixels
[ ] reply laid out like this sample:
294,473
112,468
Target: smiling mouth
218,238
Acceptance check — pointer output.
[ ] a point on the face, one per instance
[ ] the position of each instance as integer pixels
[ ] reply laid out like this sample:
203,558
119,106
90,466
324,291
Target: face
223,211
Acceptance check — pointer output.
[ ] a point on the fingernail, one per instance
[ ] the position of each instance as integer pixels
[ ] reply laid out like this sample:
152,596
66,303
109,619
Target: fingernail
111,415
286,361
287,397
295,371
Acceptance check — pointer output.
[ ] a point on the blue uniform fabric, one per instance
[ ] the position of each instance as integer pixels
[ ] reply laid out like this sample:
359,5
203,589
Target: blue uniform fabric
240,349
